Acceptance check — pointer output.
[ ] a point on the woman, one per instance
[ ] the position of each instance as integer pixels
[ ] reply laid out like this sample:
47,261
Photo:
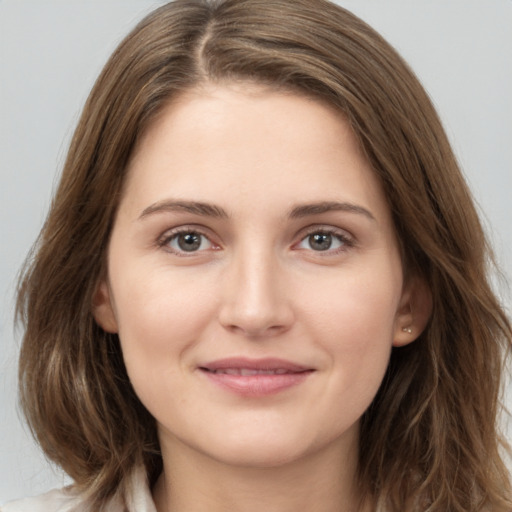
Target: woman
262,282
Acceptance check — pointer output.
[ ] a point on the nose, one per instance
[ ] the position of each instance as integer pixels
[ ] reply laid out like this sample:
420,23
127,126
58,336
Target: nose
256,300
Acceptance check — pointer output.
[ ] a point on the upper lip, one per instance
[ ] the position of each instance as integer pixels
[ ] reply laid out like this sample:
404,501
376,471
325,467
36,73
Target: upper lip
271,364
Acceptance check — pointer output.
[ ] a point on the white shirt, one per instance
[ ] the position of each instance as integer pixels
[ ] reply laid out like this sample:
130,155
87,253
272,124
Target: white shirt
138,499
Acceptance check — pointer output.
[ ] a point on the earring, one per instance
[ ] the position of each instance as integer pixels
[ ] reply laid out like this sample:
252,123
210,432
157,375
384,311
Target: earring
408,330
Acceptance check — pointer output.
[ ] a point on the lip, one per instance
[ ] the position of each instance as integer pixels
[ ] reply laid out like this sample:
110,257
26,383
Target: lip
255,377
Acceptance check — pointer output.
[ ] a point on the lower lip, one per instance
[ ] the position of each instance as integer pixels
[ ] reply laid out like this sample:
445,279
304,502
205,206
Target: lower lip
257,385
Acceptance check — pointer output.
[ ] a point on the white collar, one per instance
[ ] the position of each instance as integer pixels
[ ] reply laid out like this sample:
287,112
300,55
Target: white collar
137,499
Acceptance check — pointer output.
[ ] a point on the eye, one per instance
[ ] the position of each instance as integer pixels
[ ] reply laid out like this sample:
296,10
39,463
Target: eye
187,241
325,240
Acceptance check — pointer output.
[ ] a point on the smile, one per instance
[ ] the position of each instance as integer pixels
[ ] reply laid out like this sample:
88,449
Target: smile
255,378
248,371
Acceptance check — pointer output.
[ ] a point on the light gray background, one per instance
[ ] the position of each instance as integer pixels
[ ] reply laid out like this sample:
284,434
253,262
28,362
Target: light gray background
52,50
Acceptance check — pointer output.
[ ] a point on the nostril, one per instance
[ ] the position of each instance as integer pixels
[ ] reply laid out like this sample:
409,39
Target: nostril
257,331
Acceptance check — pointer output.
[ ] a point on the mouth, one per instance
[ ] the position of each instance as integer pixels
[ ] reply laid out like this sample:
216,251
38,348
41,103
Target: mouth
247,371
255,377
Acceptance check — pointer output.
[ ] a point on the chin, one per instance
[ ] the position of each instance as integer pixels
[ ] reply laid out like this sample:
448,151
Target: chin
263,449
259,457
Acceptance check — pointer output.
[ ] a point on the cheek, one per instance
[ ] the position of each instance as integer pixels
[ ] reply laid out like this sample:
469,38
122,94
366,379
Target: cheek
358,308
354,323
160,317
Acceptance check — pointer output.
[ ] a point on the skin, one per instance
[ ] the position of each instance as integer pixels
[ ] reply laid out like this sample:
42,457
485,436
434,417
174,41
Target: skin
257,286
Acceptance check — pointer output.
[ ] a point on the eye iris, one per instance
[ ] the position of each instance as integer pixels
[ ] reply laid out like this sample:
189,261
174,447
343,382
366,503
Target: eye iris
320,241
189,242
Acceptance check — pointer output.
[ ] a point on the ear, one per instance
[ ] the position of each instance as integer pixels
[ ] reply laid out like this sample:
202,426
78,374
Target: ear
102,308
414,311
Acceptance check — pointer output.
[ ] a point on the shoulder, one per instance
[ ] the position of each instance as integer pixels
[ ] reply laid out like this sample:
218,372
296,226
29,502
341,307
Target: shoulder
58,500
136,499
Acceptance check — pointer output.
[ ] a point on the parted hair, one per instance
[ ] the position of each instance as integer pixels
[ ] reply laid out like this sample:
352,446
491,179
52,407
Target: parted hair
430,439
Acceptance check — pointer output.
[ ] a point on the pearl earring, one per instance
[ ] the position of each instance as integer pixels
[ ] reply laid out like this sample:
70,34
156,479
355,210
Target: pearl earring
408,330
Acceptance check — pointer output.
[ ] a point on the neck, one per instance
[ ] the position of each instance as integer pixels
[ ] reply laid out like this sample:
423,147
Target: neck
323,482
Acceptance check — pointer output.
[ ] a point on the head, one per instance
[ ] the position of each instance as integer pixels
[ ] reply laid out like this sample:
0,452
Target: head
439,393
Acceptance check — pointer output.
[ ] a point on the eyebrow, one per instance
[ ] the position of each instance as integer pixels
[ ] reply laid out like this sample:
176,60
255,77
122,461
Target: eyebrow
210,210
194,207
328,206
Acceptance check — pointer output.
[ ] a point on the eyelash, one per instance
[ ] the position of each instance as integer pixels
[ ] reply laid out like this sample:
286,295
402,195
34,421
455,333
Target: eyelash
346,240
168,236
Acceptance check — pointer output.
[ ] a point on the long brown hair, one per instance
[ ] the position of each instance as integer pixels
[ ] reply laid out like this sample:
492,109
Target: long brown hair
429,440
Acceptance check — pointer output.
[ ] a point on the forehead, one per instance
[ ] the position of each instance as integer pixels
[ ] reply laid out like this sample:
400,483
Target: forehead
247,142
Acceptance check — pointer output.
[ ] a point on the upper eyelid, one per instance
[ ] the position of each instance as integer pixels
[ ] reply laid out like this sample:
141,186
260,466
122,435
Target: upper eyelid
169,234
204,230
187,228
324,228
319,228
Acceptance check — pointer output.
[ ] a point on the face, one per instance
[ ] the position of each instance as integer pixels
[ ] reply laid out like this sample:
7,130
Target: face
254,277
